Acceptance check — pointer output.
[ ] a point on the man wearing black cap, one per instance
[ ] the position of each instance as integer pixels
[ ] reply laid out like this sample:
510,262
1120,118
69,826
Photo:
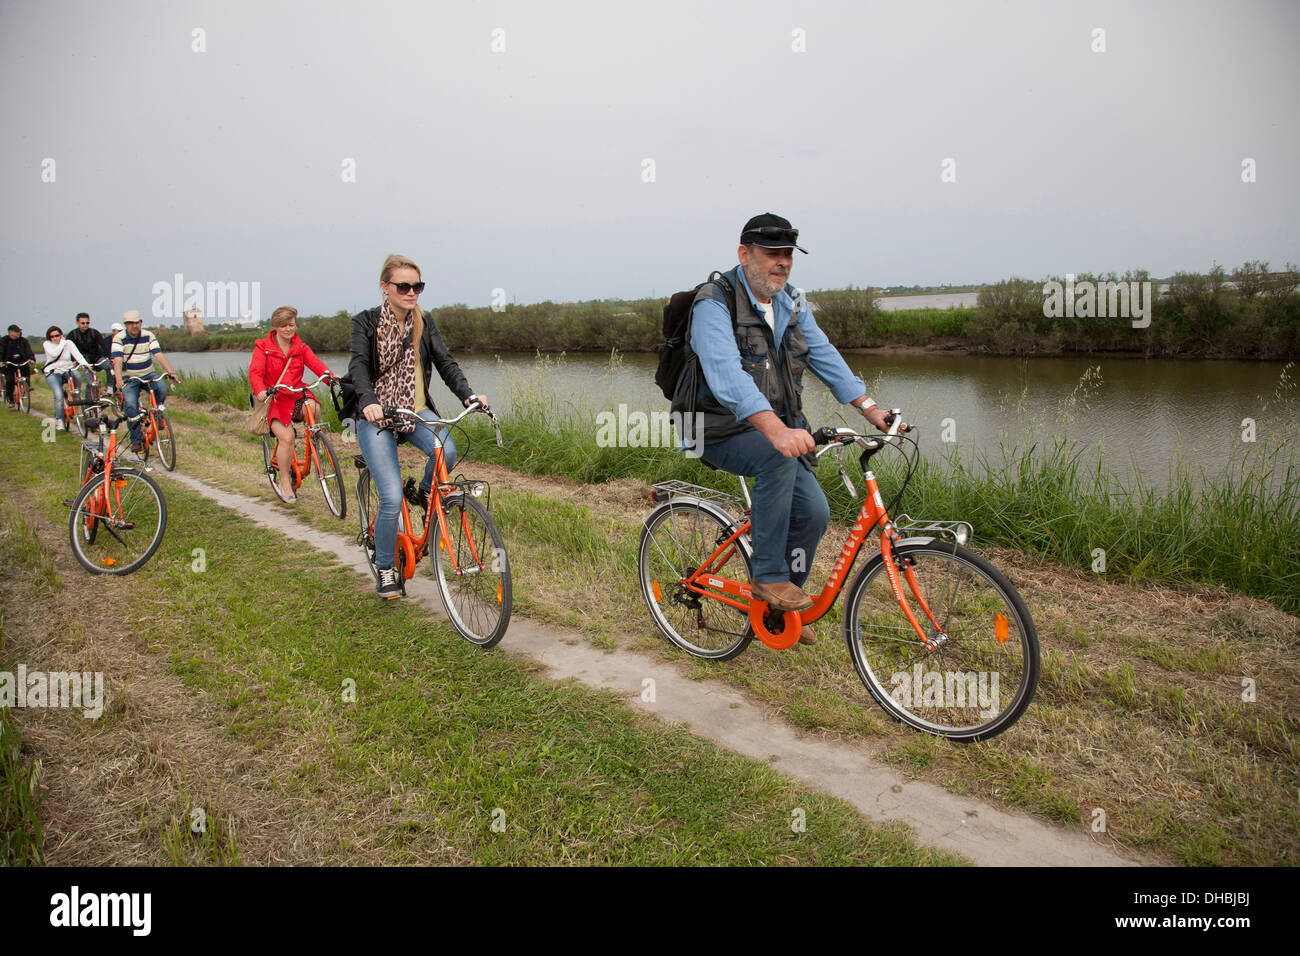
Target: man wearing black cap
14,348
752,366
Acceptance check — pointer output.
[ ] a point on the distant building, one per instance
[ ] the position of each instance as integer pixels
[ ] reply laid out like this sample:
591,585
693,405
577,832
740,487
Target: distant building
194,322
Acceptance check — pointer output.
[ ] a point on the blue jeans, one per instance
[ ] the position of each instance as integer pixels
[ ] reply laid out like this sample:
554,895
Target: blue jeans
789,514
131,401
379,448
55,381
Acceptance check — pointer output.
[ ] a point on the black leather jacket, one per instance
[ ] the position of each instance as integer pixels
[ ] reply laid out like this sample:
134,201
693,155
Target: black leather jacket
363,368
15,350
89,343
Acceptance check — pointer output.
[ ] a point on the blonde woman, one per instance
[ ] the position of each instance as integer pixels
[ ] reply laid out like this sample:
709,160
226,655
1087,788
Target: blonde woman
282,352
387,369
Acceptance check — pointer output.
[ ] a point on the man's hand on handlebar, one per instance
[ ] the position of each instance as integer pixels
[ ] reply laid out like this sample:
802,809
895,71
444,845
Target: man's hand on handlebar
373,414
481,399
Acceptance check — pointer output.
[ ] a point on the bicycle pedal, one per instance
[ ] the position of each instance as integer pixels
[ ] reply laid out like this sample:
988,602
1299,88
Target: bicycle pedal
67,502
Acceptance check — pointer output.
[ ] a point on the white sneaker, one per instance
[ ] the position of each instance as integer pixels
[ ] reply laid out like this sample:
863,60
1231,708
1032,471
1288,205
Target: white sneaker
59,426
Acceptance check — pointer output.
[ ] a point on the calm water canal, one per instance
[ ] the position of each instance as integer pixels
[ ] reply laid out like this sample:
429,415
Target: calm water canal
1141,416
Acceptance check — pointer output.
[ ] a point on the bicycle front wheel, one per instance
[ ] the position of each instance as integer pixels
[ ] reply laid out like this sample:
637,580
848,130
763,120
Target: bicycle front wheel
24,395
367,508
166,440
975,684
474,573
676,539
331,478
117,522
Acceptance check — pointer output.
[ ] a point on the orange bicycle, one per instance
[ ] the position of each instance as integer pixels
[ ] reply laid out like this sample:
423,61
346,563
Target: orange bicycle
471,566
157,428
22,386
119,515
317,451
962,664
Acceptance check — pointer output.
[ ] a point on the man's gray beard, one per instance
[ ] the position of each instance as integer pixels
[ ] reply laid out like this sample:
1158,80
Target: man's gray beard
760,285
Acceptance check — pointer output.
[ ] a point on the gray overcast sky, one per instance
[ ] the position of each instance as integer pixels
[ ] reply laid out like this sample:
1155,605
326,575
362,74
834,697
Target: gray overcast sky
523,169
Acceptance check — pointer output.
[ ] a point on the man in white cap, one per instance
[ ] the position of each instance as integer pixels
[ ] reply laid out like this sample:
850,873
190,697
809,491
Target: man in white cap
133,352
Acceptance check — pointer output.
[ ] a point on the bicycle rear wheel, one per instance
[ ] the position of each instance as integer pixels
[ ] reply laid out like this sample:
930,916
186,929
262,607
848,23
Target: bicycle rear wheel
117,525
478,598
367,508
973,686
676,539
331,477
166,440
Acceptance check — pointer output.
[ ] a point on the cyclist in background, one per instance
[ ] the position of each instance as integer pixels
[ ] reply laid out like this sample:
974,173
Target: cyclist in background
92,345
270,356
133,352
62,359
14,347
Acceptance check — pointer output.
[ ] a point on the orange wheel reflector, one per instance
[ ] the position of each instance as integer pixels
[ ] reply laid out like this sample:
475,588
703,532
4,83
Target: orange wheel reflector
498,592
119,482
654,586
442,545
109,562
1000,629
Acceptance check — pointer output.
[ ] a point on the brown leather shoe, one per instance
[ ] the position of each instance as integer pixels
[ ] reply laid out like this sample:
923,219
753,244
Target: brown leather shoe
807,635
781,596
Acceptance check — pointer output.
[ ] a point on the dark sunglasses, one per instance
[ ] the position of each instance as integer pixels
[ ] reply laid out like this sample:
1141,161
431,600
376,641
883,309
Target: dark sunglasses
780,234
405,287
56,335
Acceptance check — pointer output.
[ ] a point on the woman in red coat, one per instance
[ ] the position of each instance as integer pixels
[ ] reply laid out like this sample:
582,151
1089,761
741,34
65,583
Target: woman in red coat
270,355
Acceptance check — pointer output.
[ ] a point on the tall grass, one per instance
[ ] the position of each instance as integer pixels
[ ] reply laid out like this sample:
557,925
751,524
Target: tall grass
1240,529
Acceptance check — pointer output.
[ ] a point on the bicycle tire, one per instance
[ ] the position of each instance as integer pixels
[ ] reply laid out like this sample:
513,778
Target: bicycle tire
24,397
166,440
330,476
478,600
118,549
272,470
675,539
367,508
79,413
990,635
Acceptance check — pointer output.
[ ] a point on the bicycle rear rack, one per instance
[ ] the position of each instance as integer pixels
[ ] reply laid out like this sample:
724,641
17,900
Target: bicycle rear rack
959,532
665,490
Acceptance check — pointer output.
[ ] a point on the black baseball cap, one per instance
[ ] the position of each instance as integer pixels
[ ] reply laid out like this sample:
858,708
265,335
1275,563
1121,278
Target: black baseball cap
14,328
771,232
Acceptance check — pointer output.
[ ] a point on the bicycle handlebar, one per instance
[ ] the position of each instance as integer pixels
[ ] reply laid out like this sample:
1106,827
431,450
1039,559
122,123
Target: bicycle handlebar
330,380
391,412
833,438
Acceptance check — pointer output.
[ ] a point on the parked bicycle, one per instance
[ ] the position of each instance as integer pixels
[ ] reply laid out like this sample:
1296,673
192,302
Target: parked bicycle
317,453
471,565
118,516
963,664
22,386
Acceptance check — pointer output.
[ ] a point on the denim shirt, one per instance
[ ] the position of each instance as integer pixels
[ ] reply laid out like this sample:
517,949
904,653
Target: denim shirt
713,340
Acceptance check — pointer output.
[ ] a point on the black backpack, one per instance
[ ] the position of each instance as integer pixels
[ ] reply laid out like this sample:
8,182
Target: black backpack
677,329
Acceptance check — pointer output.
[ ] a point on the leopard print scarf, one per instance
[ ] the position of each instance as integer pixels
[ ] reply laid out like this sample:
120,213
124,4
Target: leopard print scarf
396,386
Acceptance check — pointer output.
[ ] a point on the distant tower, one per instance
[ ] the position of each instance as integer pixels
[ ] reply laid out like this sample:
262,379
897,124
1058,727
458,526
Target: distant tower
194,322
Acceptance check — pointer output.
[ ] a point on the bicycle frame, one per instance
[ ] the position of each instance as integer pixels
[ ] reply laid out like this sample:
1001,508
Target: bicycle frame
411,547
706,582
107,500
301,469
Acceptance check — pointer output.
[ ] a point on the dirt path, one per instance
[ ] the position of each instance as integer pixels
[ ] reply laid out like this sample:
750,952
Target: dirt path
710,709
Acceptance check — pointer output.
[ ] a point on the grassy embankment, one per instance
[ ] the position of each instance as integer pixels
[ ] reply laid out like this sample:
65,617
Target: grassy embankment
441,742
1140,711
1258,316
